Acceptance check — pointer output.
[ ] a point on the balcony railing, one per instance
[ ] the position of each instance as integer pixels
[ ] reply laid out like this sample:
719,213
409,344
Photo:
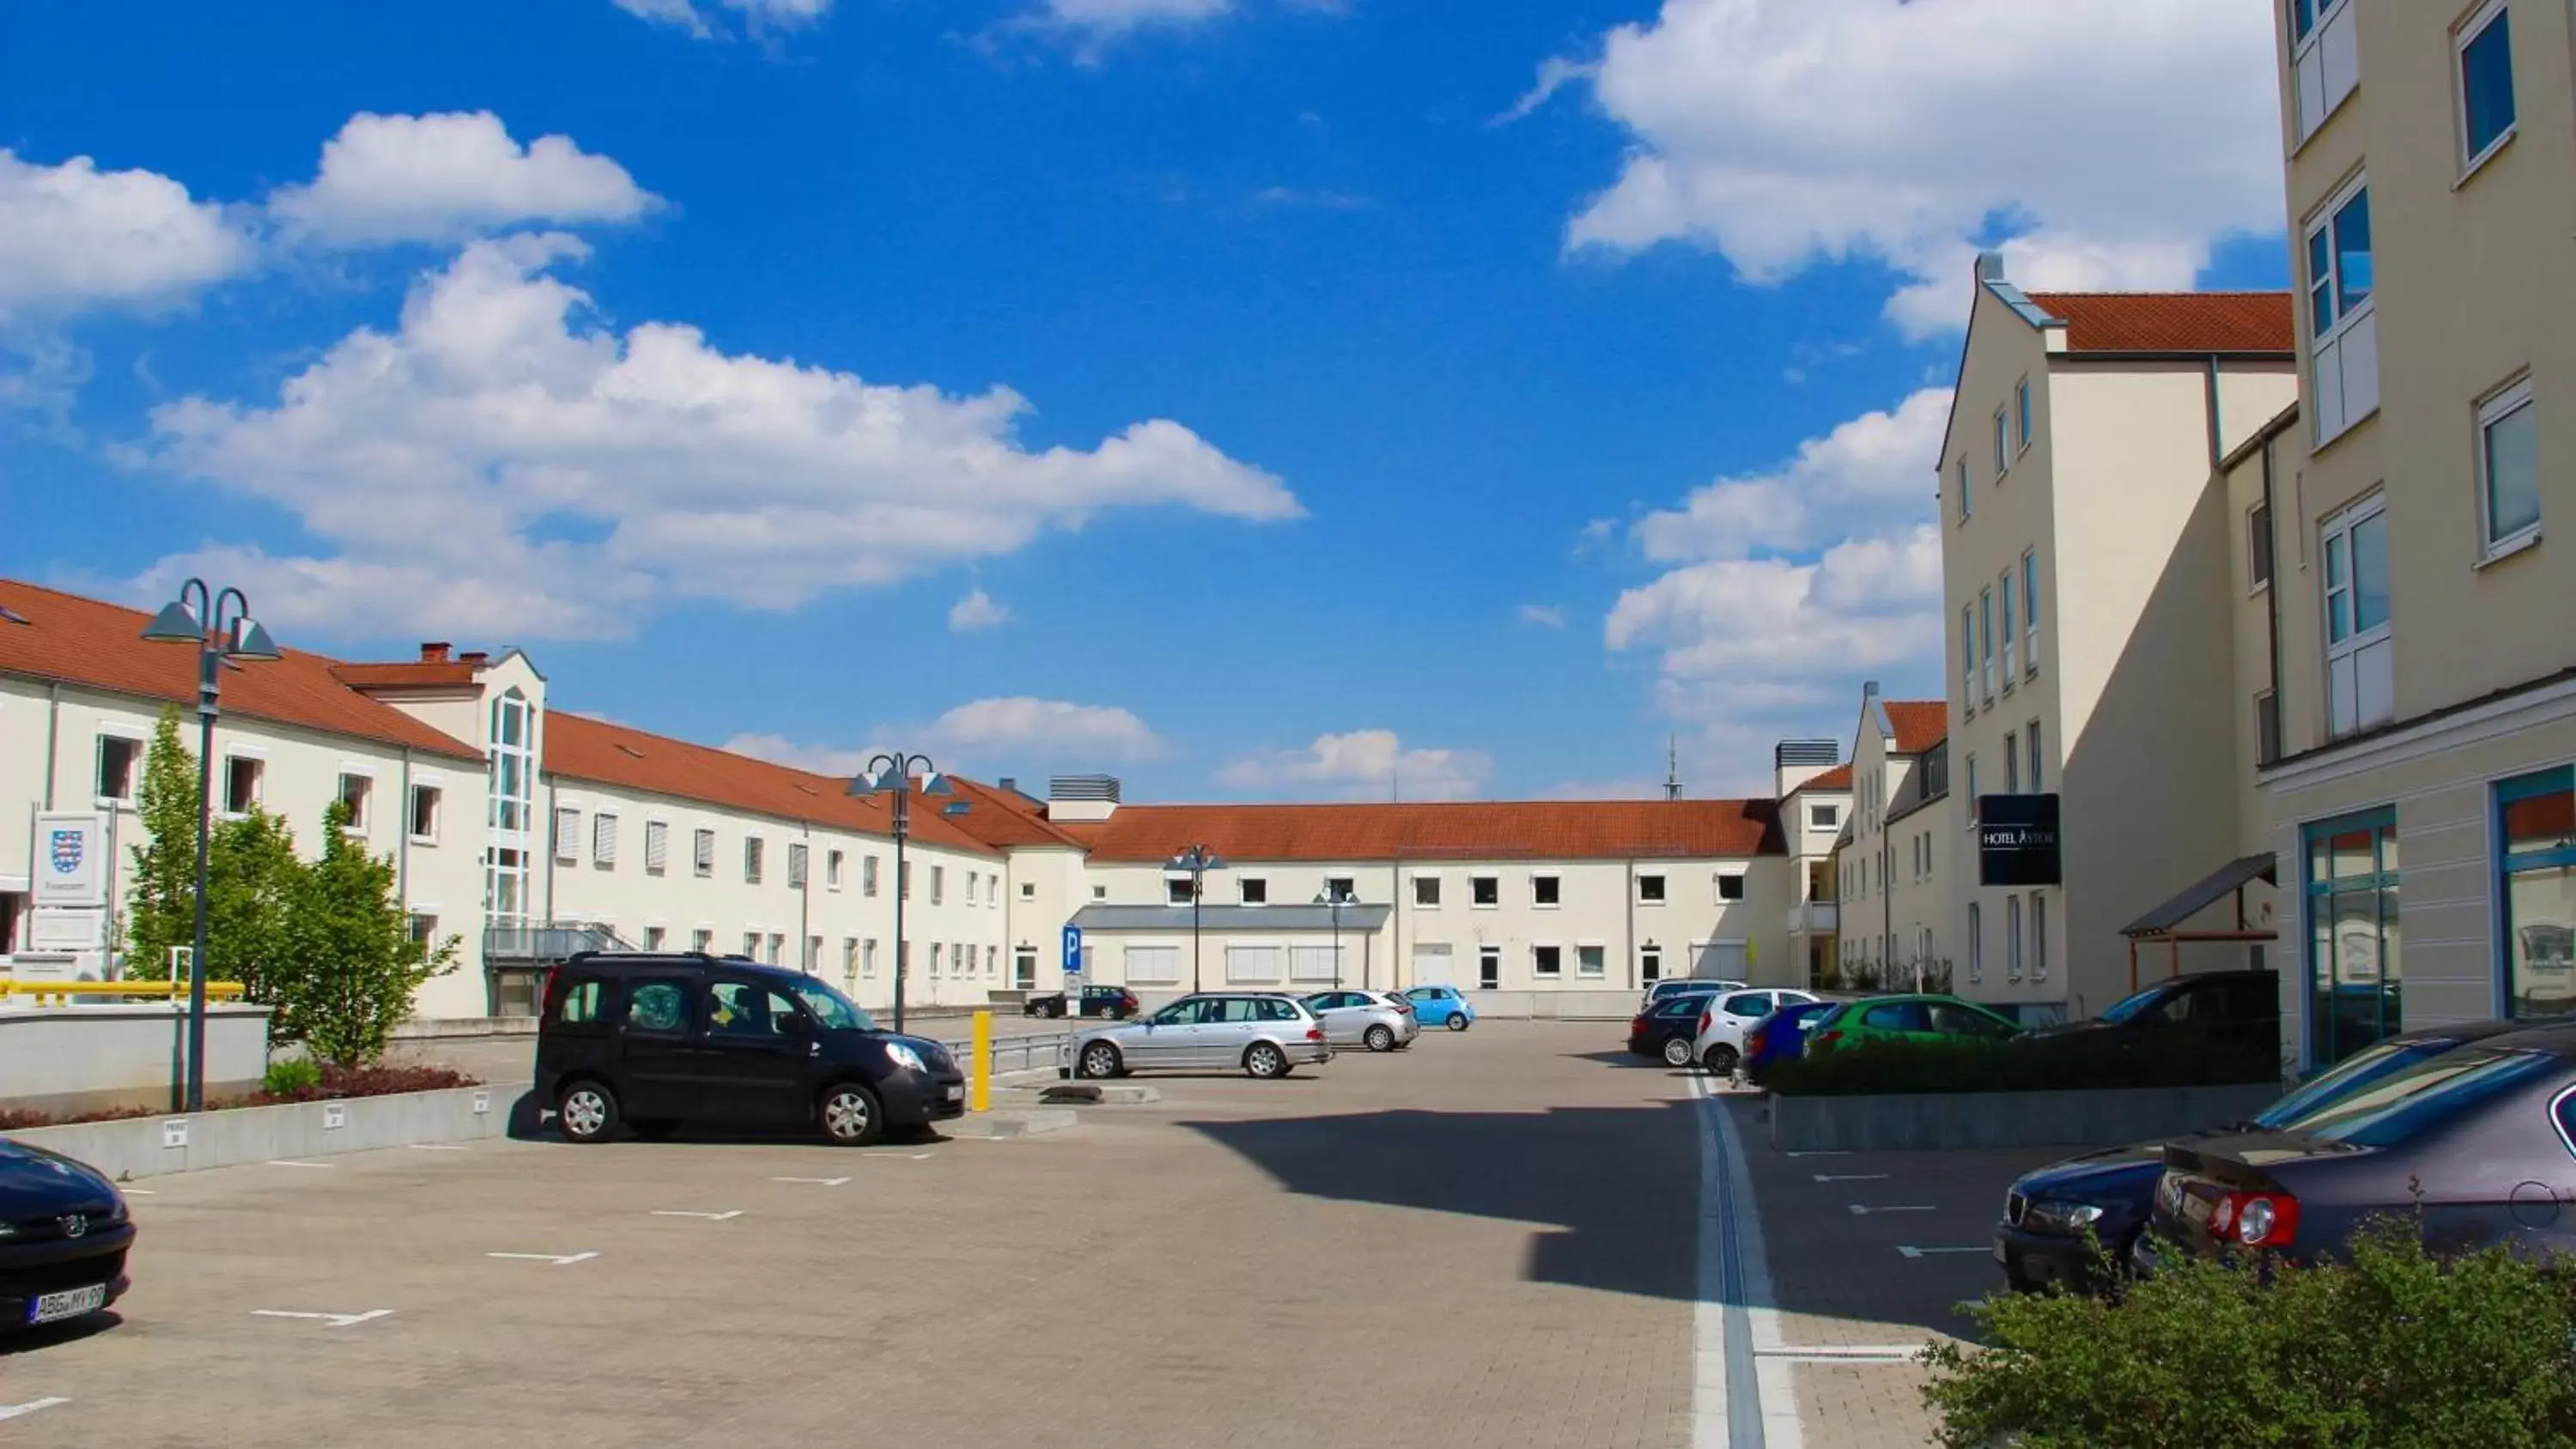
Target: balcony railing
548,942
1815,918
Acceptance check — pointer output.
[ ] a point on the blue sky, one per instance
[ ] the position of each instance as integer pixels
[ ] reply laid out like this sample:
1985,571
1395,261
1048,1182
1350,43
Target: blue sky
1255,398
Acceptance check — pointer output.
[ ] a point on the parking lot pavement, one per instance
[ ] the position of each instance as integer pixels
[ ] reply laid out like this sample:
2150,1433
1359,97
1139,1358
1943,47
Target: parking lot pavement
1487,1240
513,1058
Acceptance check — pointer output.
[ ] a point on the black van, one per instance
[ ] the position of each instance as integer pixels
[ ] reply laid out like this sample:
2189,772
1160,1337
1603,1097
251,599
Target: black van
651,1041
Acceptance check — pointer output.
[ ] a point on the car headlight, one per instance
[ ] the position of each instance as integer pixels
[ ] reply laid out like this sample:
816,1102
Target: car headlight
2062,1217
8,1231
902,1055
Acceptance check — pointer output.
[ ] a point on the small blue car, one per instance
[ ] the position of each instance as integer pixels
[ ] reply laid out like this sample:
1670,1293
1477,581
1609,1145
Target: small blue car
1781,1036
1441,1006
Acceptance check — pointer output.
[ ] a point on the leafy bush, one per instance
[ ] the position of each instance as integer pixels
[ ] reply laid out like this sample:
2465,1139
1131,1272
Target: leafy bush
293,1079
2034,1064
2395,1348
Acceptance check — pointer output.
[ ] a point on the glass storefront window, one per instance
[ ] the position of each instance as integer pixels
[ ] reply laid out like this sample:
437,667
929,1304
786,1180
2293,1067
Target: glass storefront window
2536,817
2354,976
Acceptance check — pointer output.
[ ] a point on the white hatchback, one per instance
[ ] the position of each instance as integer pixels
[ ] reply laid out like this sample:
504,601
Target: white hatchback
1729,1015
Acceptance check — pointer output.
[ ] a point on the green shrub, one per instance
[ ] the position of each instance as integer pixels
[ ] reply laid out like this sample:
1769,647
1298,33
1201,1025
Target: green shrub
2395,1348
2029,1064
292,1077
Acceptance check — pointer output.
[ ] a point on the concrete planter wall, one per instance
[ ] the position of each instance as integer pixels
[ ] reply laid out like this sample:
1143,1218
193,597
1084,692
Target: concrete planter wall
2008,1119
64,1060
149,1146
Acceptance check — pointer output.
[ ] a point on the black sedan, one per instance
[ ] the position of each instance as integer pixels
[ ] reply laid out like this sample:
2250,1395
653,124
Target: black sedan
1669,1029
2047,1214
2474,1144
64,1233
1114,1002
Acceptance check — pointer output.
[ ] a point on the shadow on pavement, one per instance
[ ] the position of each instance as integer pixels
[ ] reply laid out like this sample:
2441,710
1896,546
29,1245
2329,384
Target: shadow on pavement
52,1335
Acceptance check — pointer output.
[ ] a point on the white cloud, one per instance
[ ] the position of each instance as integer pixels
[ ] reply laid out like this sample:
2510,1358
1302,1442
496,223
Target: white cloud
1554,74
981,735
73,236
1756,623
500,441
447,176
1117,15
1546,616
2113,144
1295,197
1867,475
1362,765
697,19
975,612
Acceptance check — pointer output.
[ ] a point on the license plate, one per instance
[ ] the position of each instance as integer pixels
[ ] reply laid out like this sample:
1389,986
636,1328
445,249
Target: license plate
69,1304
956,1094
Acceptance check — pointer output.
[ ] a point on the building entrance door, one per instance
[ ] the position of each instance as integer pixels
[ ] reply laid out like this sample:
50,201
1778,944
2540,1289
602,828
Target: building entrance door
1489,967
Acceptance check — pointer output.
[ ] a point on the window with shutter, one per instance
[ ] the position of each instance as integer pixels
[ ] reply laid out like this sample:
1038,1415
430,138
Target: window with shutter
567,835
796,867
657,846
703,848
603,840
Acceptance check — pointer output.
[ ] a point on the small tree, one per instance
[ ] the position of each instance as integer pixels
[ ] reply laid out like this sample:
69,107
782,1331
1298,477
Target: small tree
351,963
162,903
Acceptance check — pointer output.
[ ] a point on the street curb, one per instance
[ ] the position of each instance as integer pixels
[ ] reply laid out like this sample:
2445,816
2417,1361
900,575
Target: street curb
191,1142
1010,1122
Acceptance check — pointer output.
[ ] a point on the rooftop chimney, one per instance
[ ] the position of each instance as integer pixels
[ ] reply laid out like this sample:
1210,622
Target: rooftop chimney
1082,797
434,653
475,657
1869,689
1796,762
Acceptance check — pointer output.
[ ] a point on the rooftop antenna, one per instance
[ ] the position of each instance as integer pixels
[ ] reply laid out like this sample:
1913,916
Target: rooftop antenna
1672,767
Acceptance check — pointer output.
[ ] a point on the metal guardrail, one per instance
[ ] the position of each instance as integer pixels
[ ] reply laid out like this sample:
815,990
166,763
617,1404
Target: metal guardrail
553,941
59,993
1017,1053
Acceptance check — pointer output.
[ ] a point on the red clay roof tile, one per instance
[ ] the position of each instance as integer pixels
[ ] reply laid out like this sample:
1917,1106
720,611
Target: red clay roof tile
1498,830
1920,724
2174,321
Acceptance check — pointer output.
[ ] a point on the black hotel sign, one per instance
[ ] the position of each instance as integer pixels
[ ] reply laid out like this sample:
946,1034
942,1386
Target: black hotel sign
2017,840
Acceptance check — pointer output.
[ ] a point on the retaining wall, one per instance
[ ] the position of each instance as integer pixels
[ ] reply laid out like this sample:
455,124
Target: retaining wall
182,1142
64,1060
2008,1119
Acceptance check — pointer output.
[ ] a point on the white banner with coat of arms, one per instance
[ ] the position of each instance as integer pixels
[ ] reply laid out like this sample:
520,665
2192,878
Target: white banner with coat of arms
71,859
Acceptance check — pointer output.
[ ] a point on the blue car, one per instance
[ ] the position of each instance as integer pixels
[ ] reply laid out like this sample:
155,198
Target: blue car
1441,1006
1781,1036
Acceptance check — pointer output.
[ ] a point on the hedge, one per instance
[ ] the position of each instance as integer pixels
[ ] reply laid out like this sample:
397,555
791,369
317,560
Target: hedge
2022,1064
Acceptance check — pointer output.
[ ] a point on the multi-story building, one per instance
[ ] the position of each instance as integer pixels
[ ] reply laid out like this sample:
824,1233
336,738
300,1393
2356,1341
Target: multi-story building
2080,545
525,831
1893,859
2418,734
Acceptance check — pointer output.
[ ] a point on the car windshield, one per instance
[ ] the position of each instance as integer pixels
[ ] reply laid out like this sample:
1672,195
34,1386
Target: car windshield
836,1011
2427,1095
2349,1076
2134,1005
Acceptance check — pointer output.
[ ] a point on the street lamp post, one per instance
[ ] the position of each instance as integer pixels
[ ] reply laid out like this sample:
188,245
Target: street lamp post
1194,861
221,627
893,772
1333,898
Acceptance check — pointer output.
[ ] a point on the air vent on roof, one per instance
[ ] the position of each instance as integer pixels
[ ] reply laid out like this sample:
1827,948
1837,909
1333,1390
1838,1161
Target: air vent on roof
955,807
12,616
1808,752
808,789
1084,787
624,748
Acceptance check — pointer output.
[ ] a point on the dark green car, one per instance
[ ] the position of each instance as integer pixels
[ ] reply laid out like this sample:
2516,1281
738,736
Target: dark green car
1915,1017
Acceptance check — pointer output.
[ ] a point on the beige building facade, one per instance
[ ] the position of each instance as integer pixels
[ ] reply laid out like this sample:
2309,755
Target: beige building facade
2416,784
1892,869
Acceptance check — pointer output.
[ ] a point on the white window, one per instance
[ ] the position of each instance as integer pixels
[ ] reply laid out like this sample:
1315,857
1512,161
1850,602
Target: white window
1967,495
2508,469
1313,963
1972,792
992,962
1179,890
938,953
1545,892
1986,643
1547,960
974,879
831,870
868,959
938,884
2325,59
1589,960
1153,965
117,759
1100,893
2258,548
1650,890
2012,938
1255,890
655,937
1028,890
2038,937
702,940
2012,763
425,800
751,945
1976,945
603,840
2030,609
703,852
1824,817
2021,408
2003,448
754,852
2360,687
1426,892
2030,742
1730,886
357,792
1252,964
797,859
2486,83
813,953
2012,641
1484,891
2342,326
1968,657
867,875
849,958
1341,888
567,835
657,846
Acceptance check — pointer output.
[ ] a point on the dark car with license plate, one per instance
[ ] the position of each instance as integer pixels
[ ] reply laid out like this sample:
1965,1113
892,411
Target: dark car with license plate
1114,1002
2476,1147
64,1234
649,1042
2055,1216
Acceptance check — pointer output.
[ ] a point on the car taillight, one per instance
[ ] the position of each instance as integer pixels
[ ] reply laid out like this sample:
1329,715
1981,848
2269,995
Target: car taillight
1637,1026
2256,1219
1314,1033
1703,1023
1753,1044
1826,1039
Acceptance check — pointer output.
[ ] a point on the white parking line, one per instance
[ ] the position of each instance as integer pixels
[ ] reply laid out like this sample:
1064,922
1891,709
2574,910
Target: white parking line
438,1147
291,1162
1818,1152
1922,1252
1738,1397
1851,1177
329,1320
1862,1210
558,1259
137,1191
711,1217
817,1181
11,1411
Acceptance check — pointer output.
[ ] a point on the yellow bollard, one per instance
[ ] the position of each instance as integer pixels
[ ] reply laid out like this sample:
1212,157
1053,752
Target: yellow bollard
979,1095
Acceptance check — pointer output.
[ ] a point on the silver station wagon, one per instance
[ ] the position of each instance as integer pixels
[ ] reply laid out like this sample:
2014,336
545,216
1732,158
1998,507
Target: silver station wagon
1261,1034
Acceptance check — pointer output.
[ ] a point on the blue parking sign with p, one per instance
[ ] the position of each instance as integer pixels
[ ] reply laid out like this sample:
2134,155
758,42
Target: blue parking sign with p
1073,948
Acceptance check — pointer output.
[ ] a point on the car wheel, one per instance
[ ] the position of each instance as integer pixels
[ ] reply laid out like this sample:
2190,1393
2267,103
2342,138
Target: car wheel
1677,1052
1720,1059
1099,1059
587,1111
1379,1039
1457,1022
1265,1061
850,1115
